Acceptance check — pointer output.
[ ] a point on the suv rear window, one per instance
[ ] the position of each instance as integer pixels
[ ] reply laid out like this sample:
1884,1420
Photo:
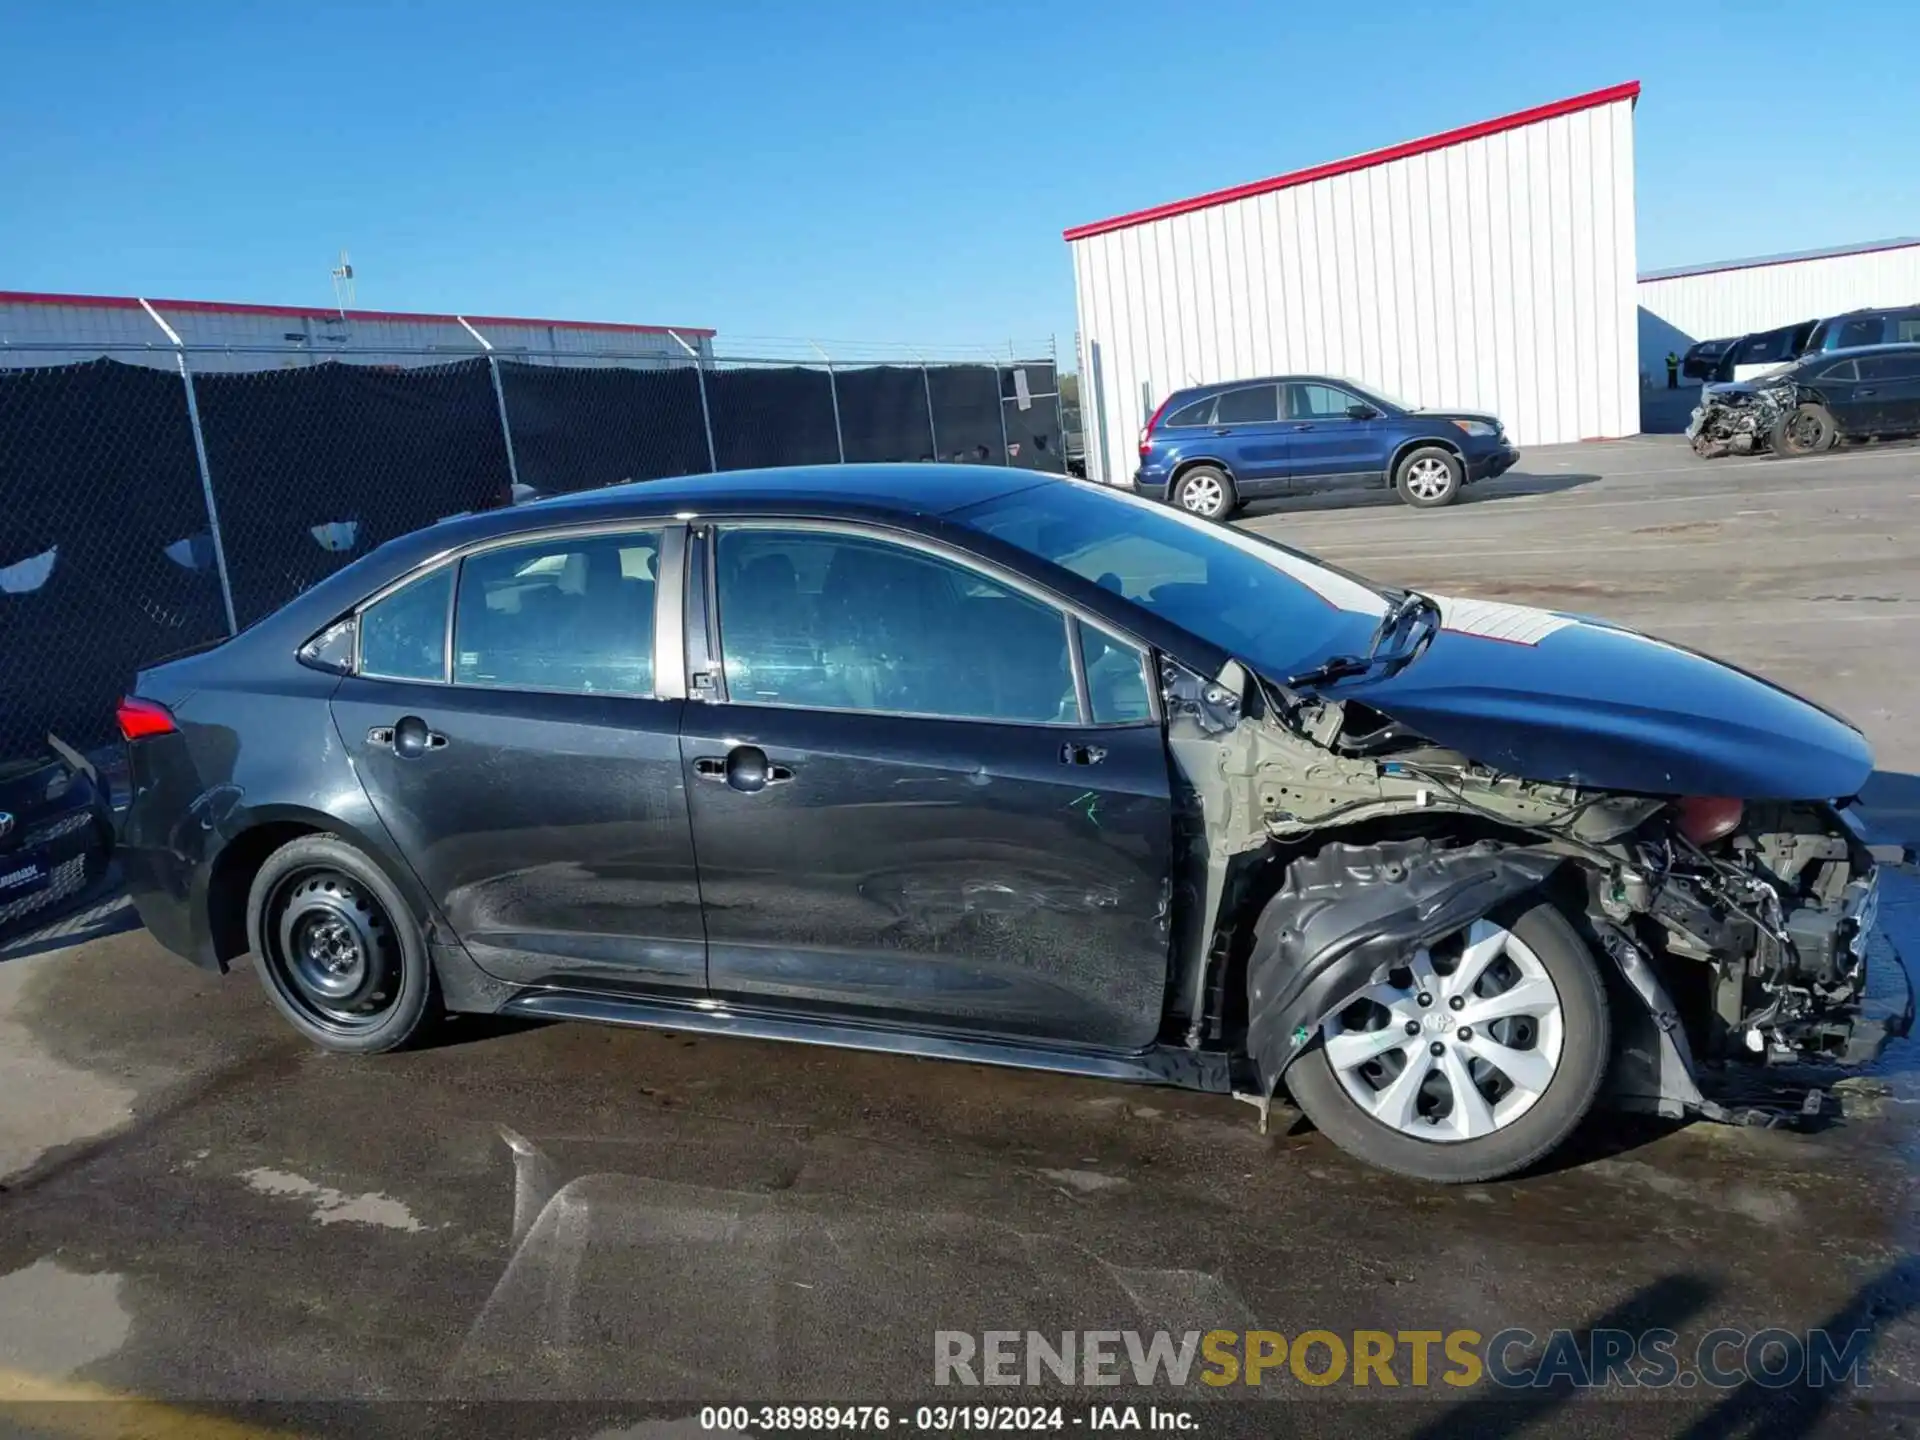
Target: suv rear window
1200,412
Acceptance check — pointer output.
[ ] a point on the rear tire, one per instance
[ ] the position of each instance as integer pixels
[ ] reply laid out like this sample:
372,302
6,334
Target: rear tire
337,948
1804,430
1548,945
1429,477
1206,491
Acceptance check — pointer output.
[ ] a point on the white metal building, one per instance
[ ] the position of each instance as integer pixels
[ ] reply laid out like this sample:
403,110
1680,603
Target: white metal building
265,337
1739,297
1491,266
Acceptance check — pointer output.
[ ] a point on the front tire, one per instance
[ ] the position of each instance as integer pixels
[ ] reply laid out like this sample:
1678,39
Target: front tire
1206,491
1429,477
1527,995
337,948
1805,430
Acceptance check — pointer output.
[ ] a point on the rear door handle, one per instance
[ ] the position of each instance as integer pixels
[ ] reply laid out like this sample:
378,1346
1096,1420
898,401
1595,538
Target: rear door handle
744,767
1866,392
1223,429
409,737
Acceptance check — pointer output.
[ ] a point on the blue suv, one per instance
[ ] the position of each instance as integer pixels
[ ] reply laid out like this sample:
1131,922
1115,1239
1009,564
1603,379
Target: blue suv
1210,448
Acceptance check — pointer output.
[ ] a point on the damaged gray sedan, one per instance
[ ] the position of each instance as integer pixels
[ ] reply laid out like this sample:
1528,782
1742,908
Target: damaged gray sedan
975,764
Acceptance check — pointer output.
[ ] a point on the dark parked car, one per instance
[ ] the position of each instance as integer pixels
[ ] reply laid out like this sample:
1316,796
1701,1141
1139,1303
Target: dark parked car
1814,404
1702,360
56,833
973,763
1209,448
1899,325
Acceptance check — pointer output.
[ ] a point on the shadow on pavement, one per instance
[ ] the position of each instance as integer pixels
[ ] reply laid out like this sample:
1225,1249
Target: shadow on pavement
1513,484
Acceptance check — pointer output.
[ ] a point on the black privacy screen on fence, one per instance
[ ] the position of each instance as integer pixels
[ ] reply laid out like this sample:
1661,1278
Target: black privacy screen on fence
577,429
314,466
105,559
108,557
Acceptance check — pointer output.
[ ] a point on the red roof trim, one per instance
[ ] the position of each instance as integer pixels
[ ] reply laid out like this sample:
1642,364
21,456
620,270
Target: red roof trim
1591,100
308,312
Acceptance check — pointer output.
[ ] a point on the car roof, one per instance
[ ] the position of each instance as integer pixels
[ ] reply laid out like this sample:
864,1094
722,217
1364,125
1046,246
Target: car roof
1214,387
925,488
873,492
1892,347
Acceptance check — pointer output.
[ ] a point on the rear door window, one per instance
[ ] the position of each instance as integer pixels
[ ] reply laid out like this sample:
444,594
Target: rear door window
1200,412
1890,367
1844,371
404,636
1250,405
572,614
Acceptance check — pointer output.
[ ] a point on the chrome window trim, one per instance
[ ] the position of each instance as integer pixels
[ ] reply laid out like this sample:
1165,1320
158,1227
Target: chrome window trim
425,572
666,528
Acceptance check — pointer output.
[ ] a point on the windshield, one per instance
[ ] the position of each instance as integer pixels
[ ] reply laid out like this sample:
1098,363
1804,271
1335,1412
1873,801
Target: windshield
1269,606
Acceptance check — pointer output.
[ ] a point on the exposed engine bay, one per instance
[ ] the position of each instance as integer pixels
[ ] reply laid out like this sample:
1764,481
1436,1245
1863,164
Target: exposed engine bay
1730,421
1741,925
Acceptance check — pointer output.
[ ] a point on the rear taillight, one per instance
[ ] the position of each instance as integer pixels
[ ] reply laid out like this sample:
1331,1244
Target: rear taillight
143,719
1146,431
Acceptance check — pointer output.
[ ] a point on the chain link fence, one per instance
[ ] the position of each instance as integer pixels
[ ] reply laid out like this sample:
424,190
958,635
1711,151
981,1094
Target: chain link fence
163,497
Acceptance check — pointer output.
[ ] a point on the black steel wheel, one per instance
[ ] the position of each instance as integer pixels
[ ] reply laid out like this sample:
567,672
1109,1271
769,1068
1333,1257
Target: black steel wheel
336,949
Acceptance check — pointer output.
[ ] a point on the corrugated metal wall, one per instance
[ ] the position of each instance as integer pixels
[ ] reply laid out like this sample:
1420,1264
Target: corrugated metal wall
1495,273
1739,300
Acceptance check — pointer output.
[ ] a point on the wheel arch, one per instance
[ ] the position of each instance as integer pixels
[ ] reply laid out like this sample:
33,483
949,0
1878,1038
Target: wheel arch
1422,442
231,872
1183,466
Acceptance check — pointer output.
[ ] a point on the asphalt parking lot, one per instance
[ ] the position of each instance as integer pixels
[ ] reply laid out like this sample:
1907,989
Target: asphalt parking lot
204,1215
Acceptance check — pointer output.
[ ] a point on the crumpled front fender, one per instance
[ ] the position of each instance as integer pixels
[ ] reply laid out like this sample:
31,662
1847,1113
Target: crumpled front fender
1350,913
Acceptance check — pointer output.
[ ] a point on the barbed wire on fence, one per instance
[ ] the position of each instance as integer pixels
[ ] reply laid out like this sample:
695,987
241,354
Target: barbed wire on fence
160,496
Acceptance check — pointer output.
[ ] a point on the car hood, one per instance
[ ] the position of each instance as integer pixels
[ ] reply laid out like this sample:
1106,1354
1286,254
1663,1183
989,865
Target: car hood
1449,412
1573,700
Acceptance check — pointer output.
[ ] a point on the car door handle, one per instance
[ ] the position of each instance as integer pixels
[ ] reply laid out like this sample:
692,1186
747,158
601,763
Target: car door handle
1223,429
744,767
409,737
1307,426
1866,392
1071,754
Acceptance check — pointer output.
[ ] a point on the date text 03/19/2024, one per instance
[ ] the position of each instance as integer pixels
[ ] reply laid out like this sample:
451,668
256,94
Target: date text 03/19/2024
946,1419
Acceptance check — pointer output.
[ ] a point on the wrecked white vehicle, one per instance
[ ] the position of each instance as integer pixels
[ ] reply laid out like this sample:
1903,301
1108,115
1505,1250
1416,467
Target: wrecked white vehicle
972,763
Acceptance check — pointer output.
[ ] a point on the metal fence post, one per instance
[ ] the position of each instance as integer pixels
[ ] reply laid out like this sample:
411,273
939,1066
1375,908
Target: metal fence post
1006,456
1059,402
200,458
933,429
706,415
833,389
499,400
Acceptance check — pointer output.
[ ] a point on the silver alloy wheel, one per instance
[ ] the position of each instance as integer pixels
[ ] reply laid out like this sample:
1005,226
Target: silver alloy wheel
1462,1049
1202,495
1429,477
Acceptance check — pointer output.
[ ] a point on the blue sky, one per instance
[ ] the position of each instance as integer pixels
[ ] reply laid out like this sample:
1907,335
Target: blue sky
882,172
